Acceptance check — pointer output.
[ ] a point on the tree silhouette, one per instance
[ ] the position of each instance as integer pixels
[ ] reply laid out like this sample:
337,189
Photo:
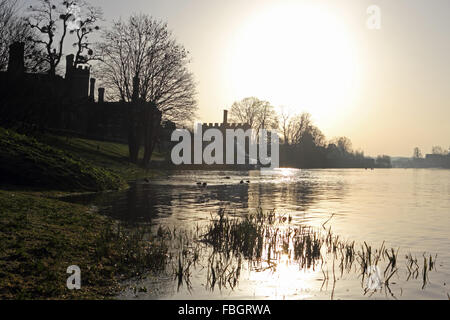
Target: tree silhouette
438,150
301,127
14,28
417,154
142,63
143,48
53,20
83,26
343,144
257,113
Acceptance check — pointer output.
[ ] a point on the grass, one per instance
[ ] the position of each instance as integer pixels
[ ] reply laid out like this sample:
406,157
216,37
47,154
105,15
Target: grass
41,237
27,162
108,155
244,236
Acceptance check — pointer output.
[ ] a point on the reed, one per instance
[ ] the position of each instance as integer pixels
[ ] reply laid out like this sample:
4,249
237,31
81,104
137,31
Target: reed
223,245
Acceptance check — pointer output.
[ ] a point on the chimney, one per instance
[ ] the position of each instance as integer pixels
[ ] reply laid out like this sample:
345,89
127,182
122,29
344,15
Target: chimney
16,58
69,65
92,90
225,117
101,95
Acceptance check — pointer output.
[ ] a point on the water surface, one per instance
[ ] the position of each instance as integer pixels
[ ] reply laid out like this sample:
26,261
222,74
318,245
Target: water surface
407,208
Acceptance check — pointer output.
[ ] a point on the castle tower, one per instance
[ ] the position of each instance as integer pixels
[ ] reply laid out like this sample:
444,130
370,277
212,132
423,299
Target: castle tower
101,95
77,79
16,65
92,90
225,118
69,65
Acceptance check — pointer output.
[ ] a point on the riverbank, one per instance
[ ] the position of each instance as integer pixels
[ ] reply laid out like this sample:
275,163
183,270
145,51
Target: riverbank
40,235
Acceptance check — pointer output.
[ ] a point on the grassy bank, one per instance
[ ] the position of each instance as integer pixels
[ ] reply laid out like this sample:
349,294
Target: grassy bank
107,155
25,161
40,236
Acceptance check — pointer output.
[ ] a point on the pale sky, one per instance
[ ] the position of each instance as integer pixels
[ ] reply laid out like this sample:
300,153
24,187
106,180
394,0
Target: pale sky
387,90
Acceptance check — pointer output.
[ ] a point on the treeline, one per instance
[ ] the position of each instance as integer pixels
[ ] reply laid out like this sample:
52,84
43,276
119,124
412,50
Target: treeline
303,145
307,155
438,158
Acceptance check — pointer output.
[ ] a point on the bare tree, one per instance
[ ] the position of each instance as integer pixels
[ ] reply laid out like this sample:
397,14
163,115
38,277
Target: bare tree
300,125
44,18
317,136
438,150
417,154
53,20
286,125
144,48
343,144
141,62
8,22
257,113
85,23
13,28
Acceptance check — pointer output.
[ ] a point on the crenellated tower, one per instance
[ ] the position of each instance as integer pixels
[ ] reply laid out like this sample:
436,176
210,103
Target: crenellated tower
77,79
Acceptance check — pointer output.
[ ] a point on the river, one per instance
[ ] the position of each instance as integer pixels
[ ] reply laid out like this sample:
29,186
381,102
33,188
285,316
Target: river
406,209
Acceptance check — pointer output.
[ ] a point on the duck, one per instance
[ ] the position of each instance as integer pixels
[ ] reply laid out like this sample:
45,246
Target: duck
242,182
204,184
199,183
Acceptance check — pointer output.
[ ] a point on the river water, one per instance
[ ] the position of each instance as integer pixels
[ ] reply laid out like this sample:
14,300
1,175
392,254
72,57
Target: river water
407,209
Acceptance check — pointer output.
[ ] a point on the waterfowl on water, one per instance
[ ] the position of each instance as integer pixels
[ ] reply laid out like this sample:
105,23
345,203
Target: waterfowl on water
242,181
204,184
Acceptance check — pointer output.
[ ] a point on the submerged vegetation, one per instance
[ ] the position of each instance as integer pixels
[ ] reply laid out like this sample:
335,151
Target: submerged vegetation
263,240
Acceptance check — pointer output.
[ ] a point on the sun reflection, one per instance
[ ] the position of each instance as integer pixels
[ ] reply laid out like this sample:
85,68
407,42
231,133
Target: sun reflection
285,281
286,172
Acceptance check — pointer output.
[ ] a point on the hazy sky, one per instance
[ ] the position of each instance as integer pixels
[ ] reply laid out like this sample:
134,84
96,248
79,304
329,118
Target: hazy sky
388,90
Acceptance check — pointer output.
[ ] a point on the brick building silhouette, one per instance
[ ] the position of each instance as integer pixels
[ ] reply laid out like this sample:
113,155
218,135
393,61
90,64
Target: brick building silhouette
64,104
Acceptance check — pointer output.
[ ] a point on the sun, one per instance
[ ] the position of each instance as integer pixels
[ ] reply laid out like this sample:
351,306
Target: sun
300,57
